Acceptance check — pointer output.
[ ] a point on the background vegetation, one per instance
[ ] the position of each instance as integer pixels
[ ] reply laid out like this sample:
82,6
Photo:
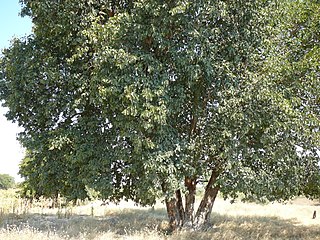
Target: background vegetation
6,181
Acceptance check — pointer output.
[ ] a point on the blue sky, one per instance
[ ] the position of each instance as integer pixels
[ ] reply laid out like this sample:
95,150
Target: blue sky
11,25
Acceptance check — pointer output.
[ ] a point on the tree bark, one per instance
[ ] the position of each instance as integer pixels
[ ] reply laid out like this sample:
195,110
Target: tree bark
172,208
190,197
180,208
205,208
172,213
184,217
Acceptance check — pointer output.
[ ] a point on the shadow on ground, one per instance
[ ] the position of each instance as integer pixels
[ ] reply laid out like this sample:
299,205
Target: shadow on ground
132,221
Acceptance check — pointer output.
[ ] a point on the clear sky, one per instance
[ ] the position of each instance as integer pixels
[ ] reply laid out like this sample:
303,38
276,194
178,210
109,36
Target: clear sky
11,25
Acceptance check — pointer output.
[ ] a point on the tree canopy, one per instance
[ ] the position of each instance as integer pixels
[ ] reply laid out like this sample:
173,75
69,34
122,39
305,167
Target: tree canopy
6,181
149,99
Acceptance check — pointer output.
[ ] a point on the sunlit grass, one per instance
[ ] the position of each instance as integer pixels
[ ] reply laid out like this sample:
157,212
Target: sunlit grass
127,221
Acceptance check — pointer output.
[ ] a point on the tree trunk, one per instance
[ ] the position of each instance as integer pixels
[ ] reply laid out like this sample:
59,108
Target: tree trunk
172,213
180,208
172,210
184,217
190,197
205,208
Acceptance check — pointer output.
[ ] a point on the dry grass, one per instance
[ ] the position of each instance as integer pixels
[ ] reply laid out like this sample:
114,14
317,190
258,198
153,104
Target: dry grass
127,221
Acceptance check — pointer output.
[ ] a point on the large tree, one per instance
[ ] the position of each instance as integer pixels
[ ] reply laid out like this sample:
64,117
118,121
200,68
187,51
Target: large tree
150,99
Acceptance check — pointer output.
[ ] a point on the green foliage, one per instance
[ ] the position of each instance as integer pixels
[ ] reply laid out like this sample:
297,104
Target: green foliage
6,181
294,64
130,98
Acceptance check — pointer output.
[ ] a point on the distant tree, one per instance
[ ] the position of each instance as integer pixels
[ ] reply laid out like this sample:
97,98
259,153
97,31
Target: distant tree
147,99
6,181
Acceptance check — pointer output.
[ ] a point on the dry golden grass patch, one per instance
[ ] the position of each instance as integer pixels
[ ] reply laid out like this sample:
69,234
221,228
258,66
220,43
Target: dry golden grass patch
300,210
127,221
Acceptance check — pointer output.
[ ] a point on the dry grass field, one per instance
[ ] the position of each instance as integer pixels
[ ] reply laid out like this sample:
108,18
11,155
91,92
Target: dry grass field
127,221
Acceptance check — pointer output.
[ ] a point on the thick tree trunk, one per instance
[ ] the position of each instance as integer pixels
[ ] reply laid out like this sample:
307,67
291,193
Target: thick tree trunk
172,210
181,213
180,216
190,197
172,213
205,208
